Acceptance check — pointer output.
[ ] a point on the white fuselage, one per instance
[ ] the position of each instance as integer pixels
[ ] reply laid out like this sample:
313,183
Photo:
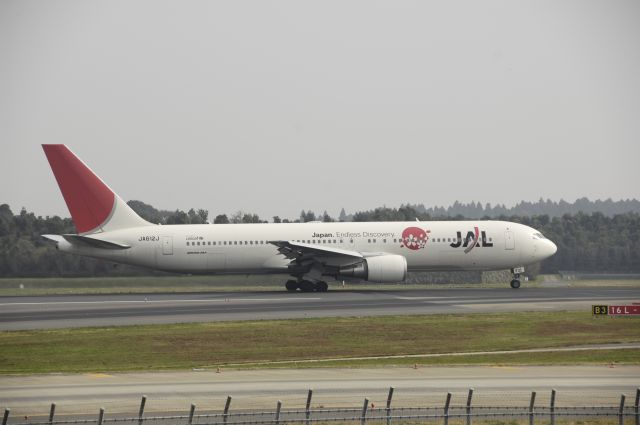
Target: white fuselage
245,248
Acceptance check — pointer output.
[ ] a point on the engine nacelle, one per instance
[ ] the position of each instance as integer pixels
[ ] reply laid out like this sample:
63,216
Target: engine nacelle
379,269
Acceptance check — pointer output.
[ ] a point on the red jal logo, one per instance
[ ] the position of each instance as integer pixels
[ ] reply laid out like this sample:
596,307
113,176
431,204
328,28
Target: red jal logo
415,238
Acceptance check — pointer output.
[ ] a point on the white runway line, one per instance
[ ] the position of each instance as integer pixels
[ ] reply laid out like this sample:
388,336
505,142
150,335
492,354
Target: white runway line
219,300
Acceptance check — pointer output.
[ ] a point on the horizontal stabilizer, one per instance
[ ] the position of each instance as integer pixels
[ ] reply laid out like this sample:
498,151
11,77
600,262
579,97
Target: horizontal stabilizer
86,240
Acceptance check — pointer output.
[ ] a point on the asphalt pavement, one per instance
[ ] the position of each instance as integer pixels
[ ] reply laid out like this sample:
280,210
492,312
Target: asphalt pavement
42,312
261,389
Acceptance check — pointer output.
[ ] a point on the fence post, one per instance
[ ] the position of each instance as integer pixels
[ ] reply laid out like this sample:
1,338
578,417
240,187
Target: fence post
225,415
52,412
552,407
635,407
101,416
307,412
531,408
446,409
5,418
191,413
278,412
621,411
141,411
469,397
365,406
389,398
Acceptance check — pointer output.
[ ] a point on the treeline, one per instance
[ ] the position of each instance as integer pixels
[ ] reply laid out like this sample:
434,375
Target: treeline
475,210
201,216
591,242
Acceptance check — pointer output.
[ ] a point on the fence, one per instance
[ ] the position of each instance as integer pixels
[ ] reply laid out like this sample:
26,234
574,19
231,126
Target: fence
446,414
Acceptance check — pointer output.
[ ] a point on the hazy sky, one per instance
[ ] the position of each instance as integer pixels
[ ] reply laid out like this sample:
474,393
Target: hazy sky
275,106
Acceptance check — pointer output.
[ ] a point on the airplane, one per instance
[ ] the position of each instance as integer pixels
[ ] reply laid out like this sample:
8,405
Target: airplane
310,253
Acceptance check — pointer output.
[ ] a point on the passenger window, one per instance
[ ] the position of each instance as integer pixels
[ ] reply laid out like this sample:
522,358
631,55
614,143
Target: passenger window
187,243
369,240
384,241
374,241
341,241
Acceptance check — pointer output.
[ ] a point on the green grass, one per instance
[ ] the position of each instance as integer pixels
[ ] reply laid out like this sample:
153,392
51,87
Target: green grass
185,346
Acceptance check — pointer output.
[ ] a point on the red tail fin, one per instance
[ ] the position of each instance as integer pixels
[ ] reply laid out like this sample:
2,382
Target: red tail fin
91,203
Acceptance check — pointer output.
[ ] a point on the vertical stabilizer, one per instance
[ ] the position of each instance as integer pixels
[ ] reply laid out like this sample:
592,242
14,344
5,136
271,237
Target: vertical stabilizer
94,207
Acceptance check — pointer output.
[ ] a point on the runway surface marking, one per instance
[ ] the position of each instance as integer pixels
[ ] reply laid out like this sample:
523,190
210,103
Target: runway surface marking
623,346
147,301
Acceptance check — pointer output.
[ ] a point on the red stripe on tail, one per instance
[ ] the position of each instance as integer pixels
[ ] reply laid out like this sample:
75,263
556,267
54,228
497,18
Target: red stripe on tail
89,200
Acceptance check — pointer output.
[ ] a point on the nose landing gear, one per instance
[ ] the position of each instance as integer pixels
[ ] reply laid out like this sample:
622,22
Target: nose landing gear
515,282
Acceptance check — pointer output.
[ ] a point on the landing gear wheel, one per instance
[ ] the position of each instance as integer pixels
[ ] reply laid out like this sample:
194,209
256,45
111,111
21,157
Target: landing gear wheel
515,283
322,287
307,286
291,285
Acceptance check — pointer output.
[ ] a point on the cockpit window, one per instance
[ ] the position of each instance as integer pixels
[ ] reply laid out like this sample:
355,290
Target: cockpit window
538,235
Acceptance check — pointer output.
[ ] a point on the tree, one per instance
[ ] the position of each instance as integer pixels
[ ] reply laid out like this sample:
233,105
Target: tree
251,218
276,219
178,217
203,214
236,217
306,217
194,217
221,219
343,215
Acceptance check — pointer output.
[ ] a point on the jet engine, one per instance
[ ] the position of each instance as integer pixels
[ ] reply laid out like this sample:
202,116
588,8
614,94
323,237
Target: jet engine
380,269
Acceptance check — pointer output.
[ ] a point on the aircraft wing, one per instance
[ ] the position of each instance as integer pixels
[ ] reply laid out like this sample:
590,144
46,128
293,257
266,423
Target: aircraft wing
299,251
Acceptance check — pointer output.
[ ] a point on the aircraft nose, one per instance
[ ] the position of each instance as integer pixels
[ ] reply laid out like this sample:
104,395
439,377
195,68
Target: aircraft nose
548,249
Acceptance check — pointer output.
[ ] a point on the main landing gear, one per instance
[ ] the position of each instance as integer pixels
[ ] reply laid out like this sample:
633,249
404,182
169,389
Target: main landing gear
515,282
306,286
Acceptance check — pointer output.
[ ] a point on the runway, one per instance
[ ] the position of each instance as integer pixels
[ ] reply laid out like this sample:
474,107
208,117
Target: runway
261,389
112,310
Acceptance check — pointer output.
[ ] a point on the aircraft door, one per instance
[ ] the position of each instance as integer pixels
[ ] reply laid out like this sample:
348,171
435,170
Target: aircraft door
509,240
167,245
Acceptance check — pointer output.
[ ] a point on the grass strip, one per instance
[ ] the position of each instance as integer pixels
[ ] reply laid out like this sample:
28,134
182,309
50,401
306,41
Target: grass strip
185,346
